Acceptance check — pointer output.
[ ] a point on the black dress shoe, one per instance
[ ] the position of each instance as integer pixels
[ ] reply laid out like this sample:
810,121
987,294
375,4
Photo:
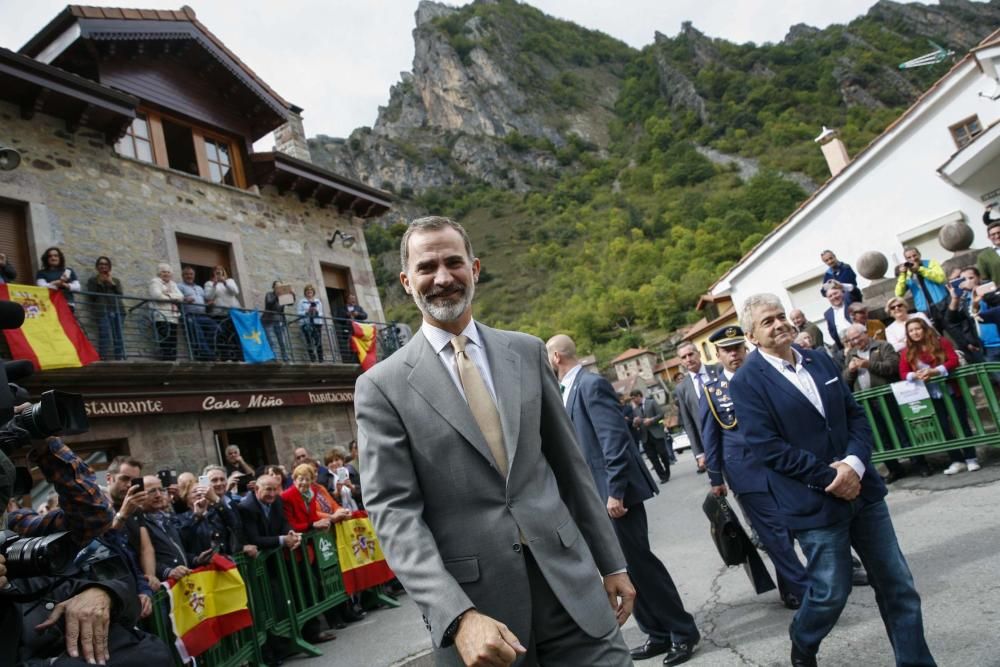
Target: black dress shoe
791,600
925,471
649,649
351,614
702,471
859,577
664,480
800,659
679,653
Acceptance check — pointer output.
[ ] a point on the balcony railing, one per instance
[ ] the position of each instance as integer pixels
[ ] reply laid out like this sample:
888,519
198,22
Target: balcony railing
136,328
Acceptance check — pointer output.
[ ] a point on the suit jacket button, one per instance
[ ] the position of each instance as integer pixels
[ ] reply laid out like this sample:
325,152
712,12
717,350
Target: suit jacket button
517,547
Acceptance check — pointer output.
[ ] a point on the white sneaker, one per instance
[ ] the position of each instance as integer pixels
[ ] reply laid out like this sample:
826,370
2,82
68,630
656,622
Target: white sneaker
972,465
955,467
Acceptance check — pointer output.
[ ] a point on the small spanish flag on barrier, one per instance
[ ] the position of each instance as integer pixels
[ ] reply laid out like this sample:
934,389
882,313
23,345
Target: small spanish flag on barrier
362,564
50,336
363,343
207,605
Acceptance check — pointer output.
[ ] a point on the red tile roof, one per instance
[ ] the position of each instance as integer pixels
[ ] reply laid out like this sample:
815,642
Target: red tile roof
631,352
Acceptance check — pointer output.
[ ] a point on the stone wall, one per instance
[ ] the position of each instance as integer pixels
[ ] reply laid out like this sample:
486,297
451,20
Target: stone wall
81,196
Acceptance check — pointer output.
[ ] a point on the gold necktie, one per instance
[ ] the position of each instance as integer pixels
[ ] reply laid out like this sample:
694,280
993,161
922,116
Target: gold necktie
484,410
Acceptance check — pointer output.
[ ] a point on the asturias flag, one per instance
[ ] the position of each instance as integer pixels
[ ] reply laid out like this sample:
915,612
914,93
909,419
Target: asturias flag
207,605
256,347
50,336
362,564
363,343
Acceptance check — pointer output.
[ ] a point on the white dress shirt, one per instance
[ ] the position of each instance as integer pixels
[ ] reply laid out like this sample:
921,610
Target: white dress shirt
803,380
567,382
440,341
699,379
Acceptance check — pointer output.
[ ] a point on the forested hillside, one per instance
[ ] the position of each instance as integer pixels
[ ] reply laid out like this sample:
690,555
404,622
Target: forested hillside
599,182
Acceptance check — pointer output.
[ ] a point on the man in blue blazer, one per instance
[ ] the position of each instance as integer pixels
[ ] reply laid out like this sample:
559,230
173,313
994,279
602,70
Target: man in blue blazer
625,482
802,423
728,459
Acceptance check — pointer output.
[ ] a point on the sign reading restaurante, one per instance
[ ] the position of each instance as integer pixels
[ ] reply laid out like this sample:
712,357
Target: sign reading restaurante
118,407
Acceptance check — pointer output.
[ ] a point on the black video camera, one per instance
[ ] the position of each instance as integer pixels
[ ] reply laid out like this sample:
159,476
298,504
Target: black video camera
44,556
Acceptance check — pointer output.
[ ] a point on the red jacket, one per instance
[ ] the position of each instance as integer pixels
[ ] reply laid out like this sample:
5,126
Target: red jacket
950,360
300,517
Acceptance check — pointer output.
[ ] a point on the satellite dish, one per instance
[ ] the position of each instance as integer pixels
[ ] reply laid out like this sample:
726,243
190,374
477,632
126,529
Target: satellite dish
933,58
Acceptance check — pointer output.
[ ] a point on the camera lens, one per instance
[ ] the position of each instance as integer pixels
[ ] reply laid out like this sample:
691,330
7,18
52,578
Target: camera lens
39,556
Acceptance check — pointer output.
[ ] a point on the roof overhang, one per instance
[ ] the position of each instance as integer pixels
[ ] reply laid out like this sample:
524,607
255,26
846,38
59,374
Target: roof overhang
978,153
325,187
39,88
109,26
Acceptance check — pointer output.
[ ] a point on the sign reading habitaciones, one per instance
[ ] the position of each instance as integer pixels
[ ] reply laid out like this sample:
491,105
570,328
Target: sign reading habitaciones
222,401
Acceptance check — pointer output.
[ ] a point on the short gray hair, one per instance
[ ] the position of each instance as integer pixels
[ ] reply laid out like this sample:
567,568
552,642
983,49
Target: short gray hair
430,223
757,301
854,328
833,284
211,467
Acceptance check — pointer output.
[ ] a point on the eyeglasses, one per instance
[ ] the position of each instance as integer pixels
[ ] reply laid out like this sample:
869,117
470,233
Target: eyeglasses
897,305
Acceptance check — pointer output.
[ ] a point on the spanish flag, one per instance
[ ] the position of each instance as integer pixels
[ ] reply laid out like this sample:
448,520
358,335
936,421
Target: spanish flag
207,605
50,336
362,564
363,343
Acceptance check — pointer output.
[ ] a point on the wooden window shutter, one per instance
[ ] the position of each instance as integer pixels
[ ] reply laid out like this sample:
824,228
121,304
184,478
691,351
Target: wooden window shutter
335,278
202,252
14,242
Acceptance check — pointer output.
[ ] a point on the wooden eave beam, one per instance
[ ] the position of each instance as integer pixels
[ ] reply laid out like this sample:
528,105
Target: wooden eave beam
308,191
34,102
74,121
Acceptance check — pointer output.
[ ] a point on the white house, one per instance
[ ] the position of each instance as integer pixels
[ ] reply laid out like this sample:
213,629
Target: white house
935,164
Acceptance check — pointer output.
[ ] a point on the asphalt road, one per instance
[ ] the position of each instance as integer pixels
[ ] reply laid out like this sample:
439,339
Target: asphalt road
948,528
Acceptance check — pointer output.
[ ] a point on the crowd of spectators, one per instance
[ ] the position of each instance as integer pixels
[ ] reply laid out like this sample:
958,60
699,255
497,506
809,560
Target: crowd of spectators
167,523
953,322
201,309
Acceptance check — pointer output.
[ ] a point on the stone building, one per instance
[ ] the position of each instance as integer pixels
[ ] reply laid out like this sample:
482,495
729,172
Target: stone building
135,130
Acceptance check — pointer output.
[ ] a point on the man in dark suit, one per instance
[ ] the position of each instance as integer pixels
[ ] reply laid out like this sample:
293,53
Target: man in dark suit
804,426
688,394
647,427
624,481
838,315
264,522
728,460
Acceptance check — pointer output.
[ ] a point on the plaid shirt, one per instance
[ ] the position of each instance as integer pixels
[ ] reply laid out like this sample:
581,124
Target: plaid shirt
83,509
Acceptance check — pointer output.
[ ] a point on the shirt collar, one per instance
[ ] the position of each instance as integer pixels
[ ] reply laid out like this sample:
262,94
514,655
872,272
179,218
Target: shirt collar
570,377
779,363
439,338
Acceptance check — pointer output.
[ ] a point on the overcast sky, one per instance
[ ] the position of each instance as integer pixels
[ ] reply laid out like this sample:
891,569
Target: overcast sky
338,58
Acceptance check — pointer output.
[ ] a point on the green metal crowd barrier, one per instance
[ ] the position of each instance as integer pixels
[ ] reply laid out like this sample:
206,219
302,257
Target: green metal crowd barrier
901,431
285,589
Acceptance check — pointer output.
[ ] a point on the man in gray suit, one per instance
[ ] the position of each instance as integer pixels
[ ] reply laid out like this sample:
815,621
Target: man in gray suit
647,421
688,393
478,491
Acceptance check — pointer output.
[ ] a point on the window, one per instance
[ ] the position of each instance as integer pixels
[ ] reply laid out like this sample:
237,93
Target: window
14,241
137,143
178,144
217,156
965,131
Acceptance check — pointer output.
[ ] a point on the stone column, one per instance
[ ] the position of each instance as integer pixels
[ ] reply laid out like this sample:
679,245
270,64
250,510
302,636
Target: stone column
290,138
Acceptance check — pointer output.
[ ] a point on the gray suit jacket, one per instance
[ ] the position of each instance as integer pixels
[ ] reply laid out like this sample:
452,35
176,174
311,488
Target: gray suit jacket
650,408
449,524
689,410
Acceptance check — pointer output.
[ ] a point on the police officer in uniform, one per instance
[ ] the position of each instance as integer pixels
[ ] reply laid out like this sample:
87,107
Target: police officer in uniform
731,465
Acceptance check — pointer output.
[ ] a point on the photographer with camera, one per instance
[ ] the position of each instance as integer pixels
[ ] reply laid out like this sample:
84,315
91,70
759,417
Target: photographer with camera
86,617
925,279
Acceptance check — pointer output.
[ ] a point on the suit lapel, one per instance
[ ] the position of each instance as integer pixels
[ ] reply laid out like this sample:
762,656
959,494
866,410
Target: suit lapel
430,379
783,384
505,366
